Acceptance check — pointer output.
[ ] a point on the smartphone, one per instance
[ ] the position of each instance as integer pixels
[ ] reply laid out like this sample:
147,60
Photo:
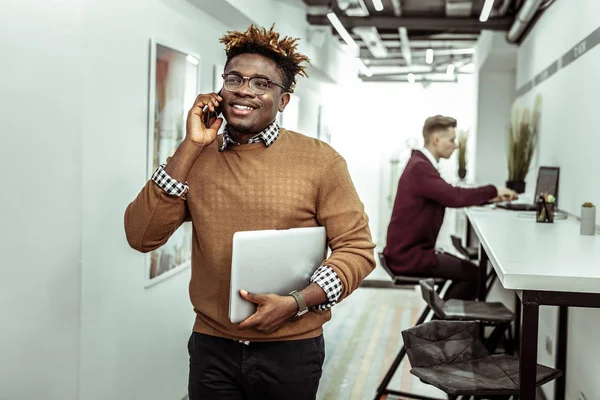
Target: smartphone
208,115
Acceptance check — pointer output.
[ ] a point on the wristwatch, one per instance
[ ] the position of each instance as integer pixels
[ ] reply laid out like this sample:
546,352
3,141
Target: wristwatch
302,309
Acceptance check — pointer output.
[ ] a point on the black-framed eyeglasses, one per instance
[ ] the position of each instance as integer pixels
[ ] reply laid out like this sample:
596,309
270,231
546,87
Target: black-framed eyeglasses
258,85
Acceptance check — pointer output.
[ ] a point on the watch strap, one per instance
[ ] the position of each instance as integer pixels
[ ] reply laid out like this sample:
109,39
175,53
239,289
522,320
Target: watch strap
302,309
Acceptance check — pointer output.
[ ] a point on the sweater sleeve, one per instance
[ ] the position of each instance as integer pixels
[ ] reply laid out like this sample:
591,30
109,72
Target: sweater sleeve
429,184
153,217
342,213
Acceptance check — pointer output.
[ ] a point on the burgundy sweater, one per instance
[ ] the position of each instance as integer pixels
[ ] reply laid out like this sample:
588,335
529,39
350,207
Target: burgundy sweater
418,213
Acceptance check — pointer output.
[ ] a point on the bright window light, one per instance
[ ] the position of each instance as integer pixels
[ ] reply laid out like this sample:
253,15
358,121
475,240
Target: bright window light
337,24
486,10
429,56
192,59
378,5
411,78
450,69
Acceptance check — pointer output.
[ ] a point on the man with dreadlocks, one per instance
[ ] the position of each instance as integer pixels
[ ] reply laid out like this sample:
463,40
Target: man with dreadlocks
255,176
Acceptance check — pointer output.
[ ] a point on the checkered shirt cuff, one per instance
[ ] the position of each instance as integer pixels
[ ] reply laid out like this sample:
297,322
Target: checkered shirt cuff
328,280
171,186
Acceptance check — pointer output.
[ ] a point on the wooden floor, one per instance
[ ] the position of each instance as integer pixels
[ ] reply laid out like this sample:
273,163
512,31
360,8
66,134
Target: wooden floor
362,340
363,337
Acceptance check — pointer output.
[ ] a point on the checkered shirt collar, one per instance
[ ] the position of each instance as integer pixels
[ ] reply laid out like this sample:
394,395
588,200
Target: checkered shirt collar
267,136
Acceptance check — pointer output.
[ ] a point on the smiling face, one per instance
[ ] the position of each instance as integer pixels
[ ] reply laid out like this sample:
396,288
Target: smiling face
245,112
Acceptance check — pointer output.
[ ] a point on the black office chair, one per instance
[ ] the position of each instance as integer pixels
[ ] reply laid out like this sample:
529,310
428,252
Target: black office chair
405,280
402,280
470,253
491,314
450,356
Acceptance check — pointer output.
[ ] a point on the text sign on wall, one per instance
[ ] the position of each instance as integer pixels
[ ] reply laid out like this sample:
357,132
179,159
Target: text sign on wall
576,52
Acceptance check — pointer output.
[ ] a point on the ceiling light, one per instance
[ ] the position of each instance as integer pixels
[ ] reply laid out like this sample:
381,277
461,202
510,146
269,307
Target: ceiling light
450,69
411,78
405,45
343,4
363,68
378,5
487,9
429,56
357,8
370,37
337,24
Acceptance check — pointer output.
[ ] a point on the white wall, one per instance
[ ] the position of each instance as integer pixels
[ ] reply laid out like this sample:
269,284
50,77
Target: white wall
496,94
40,206
495,62
568,139
377,121
569,99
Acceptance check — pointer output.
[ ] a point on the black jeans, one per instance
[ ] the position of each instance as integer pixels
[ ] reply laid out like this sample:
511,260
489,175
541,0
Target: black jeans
225,369
464,275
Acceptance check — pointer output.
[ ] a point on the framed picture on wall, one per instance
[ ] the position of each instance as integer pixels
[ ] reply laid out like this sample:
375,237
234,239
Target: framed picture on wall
173,87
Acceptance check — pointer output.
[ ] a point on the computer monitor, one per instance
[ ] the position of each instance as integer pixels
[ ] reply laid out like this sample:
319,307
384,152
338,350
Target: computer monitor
547,182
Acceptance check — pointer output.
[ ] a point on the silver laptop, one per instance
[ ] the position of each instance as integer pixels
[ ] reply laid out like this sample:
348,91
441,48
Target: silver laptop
273,261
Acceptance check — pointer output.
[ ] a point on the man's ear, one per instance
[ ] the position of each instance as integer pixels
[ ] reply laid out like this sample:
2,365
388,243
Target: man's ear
283,102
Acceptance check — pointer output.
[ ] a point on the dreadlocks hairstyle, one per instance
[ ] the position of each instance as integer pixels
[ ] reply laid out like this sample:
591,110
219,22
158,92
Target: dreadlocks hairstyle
267,43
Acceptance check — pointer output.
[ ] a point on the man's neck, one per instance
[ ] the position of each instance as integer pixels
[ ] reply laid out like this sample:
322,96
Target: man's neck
242,138
433,153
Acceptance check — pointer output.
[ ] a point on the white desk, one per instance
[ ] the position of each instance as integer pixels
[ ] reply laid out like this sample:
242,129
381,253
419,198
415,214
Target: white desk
538,256
547,264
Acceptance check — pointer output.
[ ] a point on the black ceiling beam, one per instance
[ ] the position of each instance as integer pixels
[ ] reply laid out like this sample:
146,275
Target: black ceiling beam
433,24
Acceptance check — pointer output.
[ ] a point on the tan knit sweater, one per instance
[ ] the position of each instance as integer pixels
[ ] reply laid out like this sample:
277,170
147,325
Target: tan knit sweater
296,182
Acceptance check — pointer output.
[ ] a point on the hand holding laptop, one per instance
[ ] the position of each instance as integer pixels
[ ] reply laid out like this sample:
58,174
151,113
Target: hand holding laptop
272,311
271,264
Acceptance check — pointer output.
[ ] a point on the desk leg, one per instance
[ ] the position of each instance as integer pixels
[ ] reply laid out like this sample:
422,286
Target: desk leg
561,352
528,347
517,324
481,284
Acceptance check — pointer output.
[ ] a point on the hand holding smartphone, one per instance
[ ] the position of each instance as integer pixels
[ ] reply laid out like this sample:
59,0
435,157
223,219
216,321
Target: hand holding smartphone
209,115
202,124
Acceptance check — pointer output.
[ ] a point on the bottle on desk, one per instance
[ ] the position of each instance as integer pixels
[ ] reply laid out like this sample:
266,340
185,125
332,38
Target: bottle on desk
588,219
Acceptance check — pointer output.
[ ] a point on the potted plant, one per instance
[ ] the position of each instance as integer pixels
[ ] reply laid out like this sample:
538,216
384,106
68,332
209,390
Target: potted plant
588,219
461,148
522,142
